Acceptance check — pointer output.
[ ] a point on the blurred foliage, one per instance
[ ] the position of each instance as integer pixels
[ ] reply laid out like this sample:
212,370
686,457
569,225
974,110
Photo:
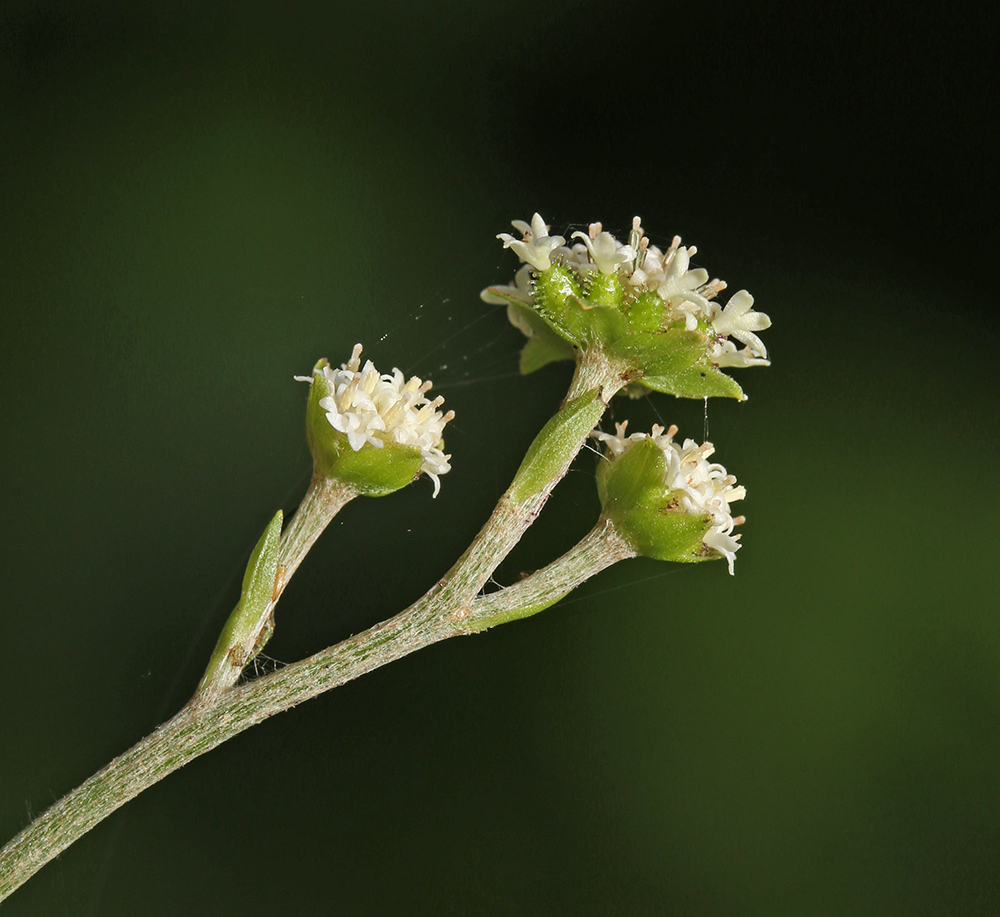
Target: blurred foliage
195,206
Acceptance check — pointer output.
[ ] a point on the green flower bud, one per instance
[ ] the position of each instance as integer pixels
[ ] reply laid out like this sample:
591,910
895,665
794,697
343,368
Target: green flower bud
667,500
647,308
376,433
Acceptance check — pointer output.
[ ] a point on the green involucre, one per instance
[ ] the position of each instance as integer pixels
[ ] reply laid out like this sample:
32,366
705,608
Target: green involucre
644,512
569,316
659,353
371,471
701,380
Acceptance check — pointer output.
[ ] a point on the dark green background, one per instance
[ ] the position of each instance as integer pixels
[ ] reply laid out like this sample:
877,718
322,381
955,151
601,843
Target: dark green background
194,206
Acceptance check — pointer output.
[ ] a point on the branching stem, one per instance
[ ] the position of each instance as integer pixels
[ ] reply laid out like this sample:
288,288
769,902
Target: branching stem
451,607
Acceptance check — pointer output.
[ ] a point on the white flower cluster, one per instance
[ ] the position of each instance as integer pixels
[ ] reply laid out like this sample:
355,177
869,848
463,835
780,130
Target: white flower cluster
686,292
702,487
372,408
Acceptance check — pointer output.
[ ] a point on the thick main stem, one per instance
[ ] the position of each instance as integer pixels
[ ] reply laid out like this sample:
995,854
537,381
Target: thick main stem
204,724
594,383
449,608
198,728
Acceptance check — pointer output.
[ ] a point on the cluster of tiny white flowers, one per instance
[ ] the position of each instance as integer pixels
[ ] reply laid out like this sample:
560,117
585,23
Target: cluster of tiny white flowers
371,408
686,292
703,487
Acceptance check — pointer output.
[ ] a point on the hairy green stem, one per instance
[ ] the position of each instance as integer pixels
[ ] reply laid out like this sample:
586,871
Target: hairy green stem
452,606
207,722
249,627
542,589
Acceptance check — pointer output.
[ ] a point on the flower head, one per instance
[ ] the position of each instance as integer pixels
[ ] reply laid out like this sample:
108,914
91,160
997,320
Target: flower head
687,484
651,308
376,410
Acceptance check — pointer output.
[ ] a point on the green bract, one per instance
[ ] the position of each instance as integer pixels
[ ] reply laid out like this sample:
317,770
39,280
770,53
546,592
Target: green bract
568,315
546,459
246,630
644,512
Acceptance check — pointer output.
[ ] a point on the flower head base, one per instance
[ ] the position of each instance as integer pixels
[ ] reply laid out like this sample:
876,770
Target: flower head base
645,306
667,499
375,431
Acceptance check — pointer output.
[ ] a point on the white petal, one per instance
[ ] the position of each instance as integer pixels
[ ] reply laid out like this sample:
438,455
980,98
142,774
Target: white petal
726,545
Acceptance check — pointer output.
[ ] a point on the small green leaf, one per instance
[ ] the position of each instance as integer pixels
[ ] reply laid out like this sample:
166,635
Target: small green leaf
322,444
559,440
515,614
667,534
622,481
377,472
664,353
543,349
248,627
258,581
702,380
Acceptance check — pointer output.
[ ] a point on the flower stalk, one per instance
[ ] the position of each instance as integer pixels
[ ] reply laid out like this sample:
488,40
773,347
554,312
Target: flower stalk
451,607
208,720
633,318
251,624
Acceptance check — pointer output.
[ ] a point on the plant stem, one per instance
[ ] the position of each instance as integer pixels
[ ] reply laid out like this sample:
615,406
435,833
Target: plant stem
324,499
202,725
601,548
449,608
207,722
242,640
